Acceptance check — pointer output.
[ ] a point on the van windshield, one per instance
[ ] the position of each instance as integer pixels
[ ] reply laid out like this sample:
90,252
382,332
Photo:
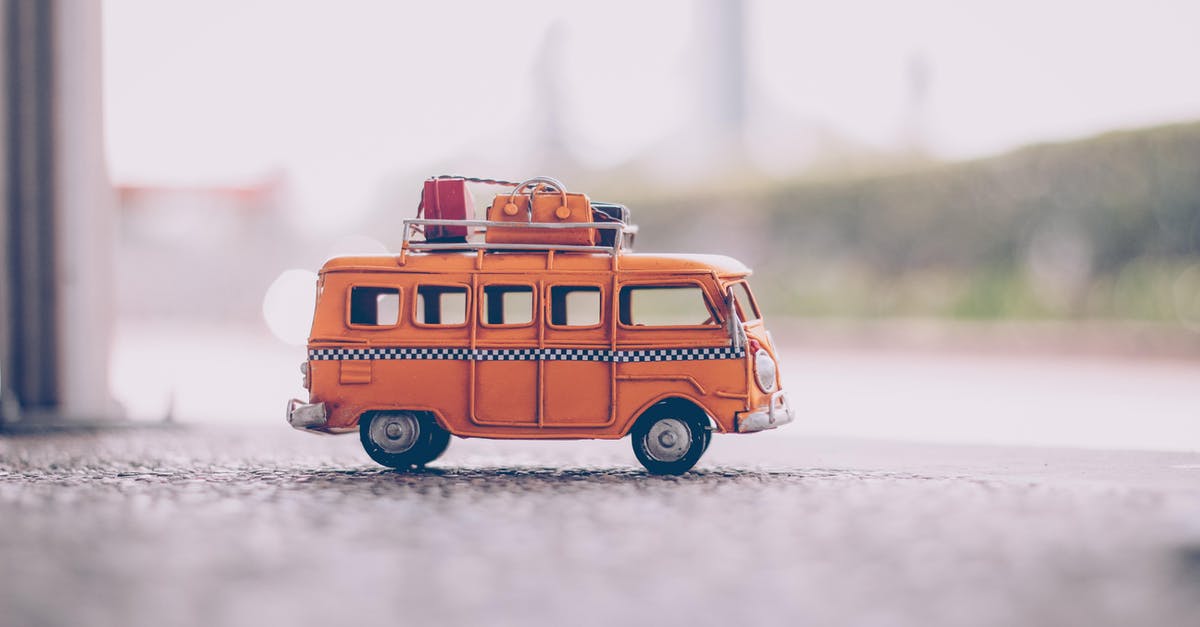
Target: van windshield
747,308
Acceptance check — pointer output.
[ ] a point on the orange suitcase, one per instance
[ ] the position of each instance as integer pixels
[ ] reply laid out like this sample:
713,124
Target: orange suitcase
546,202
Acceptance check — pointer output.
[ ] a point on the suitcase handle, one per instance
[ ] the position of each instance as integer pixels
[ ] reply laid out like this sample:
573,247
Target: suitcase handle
552,182
537,183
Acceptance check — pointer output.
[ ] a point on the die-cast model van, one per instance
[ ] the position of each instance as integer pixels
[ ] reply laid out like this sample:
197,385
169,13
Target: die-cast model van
528,334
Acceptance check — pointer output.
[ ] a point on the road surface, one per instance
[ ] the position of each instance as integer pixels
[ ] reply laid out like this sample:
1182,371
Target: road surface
219,525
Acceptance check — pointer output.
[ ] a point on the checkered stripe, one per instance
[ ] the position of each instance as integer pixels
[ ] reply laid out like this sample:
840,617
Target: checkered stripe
528,354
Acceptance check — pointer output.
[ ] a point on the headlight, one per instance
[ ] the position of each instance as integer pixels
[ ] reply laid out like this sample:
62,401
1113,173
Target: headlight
764,371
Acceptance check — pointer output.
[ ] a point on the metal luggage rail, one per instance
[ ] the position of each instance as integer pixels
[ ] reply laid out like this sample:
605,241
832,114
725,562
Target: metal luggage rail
621,230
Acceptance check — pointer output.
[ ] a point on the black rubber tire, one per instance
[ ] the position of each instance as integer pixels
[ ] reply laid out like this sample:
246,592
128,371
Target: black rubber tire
438,439
429,441
707,438
696,437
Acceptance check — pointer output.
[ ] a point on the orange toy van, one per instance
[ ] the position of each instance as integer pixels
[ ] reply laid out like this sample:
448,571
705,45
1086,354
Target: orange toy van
485,338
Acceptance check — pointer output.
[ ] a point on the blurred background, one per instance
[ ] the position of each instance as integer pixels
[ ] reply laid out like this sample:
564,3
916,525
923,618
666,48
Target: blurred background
969,221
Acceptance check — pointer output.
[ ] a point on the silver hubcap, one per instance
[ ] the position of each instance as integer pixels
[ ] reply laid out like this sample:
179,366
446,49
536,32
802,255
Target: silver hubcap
394,433
668,440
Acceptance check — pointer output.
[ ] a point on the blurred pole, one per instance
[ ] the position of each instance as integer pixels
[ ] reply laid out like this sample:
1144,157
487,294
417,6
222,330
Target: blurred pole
723,98
56,267
87,216
726,37
30,368
553,144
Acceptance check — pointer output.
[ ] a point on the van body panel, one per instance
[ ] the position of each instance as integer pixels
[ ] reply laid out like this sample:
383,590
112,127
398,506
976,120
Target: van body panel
578,394
504,393
569,367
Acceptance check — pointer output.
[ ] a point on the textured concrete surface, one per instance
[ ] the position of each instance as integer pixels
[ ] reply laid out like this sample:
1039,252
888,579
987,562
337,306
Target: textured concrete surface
211,525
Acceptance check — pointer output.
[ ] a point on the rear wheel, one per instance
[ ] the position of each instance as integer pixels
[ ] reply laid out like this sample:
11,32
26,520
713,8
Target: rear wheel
670,438
402,439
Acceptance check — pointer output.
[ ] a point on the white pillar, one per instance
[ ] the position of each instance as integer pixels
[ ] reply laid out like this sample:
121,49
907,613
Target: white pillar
85,220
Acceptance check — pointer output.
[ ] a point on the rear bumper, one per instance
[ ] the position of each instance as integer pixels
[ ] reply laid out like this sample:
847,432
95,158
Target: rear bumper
303,415
777,412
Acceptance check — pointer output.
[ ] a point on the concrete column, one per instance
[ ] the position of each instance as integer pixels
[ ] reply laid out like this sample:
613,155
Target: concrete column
57,220
86,216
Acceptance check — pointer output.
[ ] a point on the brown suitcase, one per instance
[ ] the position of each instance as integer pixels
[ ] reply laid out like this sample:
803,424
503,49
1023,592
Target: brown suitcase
550,205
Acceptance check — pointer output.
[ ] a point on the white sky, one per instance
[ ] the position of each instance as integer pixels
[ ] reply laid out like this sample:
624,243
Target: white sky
340,94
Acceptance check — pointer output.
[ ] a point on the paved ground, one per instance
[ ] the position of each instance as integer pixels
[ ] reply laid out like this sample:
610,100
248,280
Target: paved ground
210,525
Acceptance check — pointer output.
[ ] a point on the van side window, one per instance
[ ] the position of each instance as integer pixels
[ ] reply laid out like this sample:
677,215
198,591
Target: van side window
507,304
665,305
374,306
441,304
575,305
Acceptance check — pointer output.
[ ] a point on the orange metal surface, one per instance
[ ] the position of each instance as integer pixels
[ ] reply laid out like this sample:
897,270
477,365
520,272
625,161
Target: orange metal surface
480,391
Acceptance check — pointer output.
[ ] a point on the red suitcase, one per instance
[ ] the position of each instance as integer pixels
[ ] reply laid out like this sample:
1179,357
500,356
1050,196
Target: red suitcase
447,199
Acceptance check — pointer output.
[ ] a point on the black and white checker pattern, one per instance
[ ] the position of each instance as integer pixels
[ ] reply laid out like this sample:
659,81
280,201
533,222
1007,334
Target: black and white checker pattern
528,354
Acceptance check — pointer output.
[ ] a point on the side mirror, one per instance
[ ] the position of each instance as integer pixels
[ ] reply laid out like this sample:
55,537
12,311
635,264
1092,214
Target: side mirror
737,333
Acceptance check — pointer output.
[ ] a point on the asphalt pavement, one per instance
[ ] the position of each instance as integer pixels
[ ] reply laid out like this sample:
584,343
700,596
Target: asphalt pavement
220,525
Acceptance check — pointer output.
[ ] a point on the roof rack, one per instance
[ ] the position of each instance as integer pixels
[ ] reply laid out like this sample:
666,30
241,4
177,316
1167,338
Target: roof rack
622,234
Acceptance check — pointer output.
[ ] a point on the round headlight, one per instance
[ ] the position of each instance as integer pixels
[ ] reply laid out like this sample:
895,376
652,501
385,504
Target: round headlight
764,370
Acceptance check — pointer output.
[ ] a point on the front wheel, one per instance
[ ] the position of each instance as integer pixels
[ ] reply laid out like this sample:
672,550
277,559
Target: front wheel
402,439
668,440
438,440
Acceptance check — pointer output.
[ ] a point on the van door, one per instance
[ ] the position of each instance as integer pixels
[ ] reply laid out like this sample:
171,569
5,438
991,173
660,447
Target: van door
675,342
505,364
578,369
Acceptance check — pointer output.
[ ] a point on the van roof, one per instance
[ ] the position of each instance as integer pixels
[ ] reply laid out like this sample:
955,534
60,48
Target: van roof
465,261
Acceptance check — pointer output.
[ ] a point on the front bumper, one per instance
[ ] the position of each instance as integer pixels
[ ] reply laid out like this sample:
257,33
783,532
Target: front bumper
303,415
777,412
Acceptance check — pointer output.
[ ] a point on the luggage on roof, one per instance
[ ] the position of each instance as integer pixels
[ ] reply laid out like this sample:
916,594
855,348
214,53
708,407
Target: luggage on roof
535,214
612,212
547,202
446,198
